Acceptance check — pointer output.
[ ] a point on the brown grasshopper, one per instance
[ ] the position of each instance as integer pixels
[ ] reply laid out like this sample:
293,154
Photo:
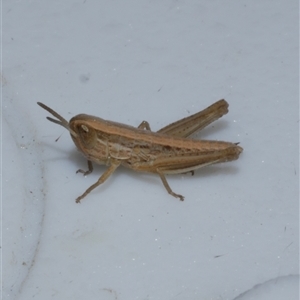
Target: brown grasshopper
167,151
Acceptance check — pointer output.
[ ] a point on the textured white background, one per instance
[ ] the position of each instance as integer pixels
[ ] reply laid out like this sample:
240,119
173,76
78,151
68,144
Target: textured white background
236,235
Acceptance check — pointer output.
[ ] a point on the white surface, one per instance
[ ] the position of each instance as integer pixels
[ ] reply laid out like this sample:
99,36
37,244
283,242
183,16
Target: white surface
236,235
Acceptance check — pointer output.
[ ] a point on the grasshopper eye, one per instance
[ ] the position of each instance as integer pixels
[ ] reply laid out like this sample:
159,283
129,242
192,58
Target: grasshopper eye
87,135
85,128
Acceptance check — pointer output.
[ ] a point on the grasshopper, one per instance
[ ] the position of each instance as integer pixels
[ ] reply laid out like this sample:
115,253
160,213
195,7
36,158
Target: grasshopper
167,151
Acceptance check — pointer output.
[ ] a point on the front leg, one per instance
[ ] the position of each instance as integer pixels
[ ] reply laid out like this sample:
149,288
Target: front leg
102,178
89,171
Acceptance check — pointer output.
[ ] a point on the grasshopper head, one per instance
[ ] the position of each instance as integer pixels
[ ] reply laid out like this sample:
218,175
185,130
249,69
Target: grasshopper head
86,135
